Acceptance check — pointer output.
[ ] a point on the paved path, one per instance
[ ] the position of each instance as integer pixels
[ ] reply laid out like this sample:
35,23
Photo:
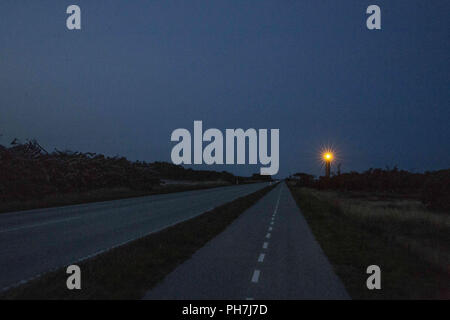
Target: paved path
269,252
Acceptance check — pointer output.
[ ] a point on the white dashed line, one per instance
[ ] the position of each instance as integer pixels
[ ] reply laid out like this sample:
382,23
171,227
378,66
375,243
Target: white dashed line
255,277
256,273
278,201
261,257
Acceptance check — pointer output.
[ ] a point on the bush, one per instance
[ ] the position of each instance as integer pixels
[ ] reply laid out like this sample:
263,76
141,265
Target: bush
433,188
29,171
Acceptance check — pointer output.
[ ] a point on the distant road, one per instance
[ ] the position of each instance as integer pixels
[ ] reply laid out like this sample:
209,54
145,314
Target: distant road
269,252
33,242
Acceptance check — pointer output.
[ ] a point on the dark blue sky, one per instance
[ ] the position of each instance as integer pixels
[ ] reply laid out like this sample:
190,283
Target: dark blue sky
140,69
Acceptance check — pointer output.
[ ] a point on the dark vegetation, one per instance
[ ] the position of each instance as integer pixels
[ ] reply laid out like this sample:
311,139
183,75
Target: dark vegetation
382,217
28,171
432,188
354,240
31,177
127,272
176,172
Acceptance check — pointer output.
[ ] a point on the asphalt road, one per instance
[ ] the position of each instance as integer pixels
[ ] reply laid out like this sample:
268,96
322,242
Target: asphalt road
37,241
269,252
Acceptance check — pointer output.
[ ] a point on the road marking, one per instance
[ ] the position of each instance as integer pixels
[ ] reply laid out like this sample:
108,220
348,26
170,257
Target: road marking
270,228
62,220
74,208
255,276
40,224
261,257
268,235
249,299
18,283
265,245
271,222
278,202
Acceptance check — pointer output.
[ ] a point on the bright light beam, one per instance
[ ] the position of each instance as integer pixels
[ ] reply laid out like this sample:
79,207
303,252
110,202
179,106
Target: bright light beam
328,156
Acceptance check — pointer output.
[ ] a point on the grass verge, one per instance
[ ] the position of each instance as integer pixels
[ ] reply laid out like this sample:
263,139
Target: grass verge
127,272
352,244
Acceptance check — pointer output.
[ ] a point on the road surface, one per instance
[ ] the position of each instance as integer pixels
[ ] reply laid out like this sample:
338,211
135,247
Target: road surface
269,252
37,241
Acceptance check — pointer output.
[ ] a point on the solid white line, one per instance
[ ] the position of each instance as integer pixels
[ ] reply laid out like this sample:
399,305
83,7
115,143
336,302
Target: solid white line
255,276
261,257
268,235
265,245
270,228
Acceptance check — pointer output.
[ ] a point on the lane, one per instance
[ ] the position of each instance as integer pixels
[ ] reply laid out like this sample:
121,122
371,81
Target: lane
33,242
269,252
295,266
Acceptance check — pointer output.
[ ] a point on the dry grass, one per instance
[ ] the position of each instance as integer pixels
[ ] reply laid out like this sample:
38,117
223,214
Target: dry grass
404,221
409,243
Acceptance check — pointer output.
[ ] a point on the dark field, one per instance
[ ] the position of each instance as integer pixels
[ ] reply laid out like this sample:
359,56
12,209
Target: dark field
409,242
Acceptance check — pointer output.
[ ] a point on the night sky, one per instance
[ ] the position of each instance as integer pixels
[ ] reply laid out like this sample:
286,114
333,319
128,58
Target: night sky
140,69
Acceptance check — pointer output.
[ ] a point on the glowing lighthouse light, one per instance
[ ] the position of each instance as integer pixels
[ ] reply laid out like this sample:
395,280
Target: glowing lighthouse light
328,156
